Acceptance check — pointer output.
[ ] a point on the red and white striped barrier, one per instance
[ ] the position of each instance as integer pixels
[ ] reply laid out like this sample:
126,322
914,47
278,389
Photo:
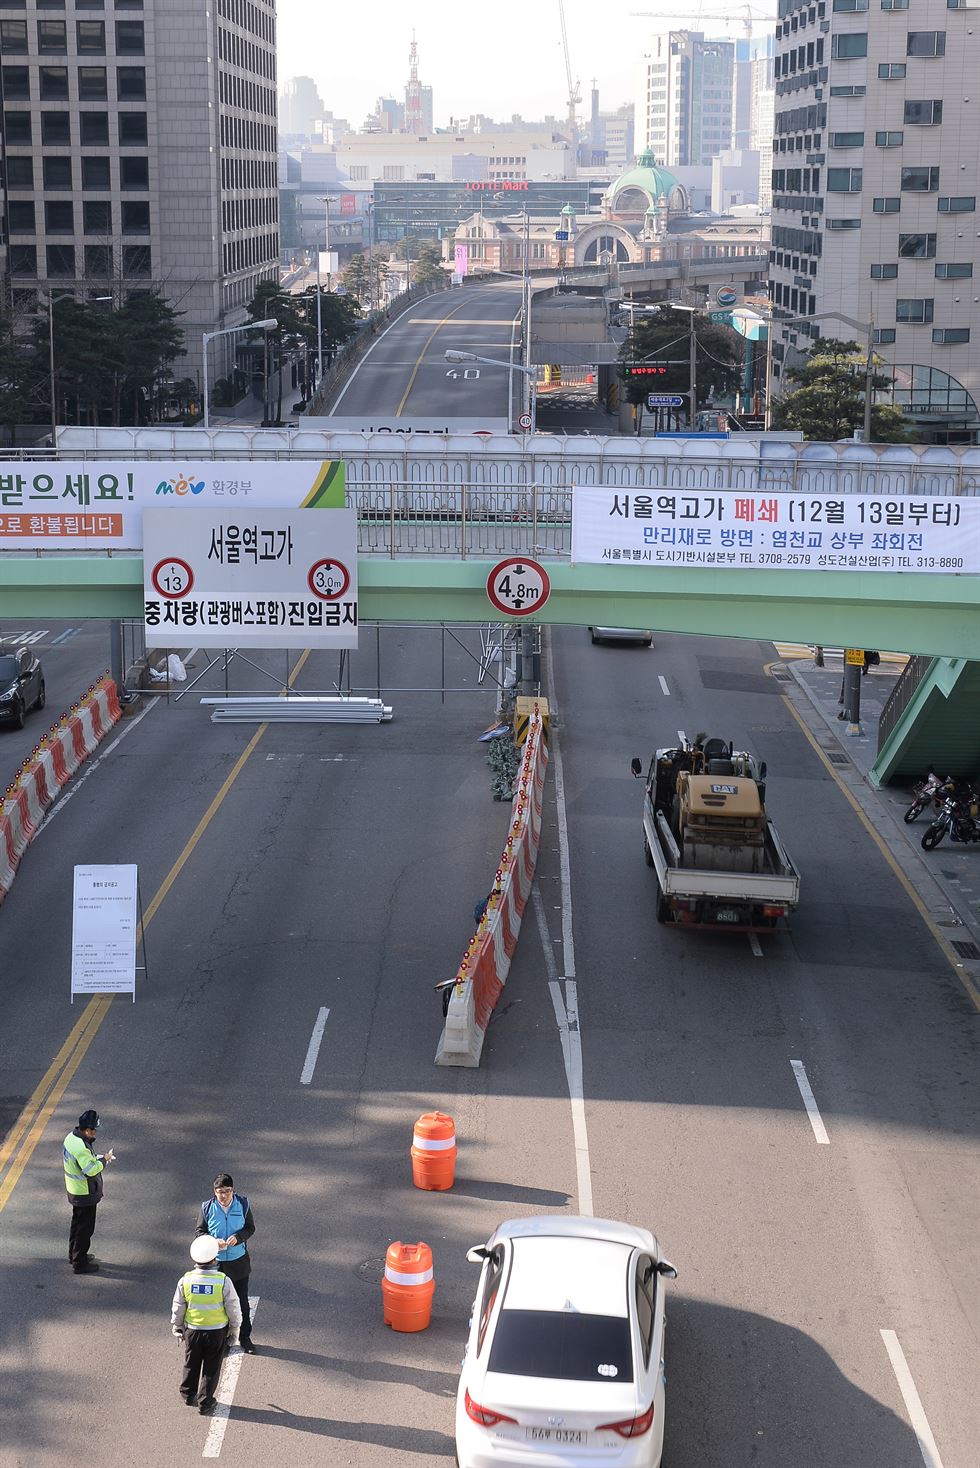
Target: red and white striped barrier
52,764
483,972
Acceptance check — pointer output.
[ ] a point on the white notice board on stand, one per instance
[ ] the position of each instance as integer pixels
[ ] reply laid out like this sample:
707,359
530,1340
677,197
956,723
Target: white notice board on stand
105,926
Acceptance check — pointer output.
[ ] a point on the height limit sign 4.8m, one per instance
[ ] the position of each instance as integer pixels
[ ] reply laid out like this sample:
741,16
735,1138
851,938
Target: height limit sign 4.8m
518,586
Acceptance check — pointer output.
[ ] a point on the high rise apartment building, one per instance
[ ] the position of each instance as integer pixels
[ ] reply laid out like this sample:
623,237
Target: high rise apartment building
140,151
684,98
876,172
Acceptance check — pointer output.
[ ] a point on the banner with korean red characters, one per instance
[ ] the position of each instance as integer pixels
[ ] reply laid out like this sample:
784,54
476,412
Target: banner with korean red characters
60,504
750,529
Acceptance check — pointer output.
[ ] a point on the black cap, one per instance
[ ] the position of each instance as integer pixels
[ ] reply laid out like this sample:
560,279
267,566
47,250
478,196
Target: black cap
88,1120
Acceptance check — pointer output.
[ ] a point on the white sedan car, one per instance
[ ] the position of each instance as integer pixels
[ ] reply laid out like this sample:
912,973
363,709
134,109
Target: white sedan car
565,1359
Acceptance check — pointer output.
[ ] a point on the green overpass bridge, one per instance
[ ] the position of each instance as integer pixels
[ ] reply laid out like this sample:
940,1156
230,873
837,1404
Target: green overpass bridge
435,512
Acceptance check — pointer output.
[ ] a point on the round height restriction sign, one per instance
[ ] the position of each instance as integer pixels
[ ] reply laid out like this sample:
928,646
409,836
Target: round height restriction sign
328,579
517,587
172,578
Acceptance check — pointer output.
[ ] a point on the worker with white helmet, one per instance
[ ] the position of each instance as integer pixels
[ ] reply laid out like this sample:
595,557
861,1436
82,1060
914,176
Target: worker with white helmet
206,1316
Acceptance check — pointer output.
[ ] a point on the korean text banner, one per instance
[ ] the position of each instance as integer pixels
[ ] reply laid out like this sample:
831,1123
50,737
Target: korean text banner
248,577
99,504
725,528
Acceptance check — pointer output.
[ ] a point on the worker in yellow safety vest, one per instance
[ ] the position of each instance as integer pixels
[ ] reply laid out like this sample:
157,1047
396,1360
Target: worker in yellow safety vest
83,1183
206,1317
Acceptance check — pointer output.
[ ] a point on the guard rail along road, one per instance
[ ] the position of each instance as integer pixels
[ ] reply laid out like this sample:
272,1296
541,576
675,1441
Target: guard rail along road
483,971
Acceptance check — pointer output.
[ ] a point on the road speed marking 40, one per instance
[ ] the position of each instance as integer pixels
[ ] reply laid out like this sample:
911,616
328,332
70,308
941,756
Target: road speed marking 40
518,586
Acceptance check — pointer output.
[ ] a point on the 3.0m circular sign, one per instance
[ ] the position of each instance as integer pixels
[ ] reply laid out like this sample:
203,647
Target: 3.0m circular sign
518,586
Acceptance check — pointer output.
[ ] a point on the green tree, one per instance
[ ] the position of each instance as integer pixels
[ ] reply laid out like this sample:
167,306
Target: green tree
357,278
428,270
827,397
22,393
339,316
291,336
664,338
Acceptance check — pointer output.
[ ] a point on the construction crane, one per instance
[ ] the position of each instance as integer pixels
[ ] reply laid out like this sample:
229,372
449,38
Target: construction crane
752,17
574,92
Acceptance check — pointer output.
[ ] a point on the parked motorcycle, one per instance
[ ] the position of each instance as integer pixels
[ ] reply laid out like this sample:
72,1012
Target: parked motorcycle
958,819
925,793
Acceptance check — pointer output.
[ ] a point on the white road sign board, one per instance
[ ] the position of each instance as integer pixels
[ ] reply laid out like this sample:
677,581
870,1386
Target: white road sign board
103,930
752,528
250,578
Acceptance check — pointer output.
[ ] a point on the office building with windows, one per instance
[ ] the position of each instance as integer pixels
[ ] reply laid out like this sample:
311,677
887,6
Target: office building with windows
684,98
139,152
876,172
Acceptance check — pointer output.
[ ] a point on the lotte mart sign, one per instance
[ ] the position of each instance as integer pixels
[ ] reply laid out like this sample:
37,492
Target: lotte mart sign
250,578
719,528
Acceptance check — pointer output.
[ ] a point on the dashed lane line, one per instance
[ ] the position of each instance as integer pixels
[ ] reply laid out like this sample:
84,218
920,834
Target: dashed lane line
913,1403
225,1395
313,1049
809,1101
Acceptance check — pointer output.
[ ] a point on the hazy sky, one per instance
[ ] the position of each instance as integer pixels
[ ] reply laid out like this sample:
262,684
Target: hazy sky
358,52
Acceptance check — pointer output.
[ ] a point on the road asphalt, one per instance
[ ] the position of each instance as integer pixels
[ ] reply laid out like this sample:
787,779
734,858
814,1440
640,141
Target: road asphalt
338,870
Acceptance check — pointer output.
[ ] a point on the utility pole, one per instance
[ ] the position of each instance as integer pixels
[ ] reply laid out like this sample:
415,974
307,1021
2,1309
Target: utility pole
693,384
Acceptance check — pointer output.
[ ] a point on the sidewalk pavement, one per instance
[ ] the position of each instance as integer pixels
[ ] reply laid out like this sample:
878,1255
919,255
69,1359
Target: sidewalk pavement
947,880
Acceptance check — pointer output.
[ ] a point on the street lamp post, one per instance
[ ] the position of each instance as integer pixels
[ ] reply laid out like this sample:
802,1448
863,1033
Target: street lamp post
528,372
268,325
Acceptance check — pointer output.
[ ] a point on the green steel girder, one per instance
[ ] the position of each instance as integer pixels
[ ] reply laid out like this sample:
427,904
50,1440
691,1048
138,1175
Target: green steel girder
913,613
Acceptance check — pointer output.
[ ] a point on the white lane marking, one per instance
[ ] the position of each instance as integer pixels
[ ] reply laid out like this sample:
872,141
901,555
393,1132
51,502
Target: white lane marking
682,736
755,945
567,941
225,1395
542,920
663,684
90,768
313,1049
571,1050
809,1101
913,1403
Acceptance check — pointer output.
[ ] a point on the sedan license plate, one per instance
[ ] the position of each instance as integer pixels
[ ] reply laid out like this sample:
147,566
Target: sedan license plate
726,915
571,1436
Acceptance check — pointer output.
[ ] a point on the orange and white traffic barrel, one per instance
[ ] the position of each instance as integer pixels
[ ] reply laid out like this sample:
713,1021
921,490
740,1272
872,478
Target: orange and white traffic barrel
408,1287
434,1152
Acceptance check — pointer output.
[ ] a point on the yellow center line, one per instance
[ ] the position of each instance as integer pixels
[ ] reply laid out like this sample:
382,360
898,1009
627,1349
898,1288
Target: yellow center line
418,361
947,950
58,1076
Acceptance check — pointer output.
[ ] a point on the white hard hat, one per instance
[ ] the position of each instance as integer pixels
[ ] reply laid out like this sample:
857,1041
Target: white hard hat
204,1249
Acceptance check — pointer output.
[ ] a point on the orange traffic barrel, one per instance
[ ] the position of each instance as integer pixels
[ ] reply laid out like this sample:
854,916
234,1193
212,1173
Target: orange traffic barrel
434,1152
408,1286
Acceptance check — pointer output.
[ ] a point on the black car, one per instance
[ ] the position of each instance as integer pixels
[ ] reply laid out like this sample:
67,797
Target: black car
21,685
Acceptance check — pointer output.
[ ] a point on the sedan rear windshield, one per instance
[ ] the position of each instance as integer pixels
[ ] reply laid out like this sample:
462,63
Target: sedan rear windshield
562,1345
8,670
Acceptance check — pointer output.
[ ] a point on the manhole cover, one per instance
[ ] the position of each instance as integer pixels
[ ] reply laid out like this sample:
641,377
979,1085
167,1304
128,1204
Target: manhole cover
371,1271
966,950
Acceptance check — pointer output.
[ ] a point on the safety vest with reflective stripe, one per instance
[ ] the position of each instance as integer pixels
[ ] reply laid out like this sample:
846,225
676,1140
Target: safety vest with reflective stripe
203,1290
81,1163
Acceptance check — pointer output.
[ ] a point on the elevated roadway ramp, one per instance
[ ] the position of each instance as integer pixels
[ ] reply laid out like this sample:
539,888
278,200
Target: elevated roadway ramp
931,720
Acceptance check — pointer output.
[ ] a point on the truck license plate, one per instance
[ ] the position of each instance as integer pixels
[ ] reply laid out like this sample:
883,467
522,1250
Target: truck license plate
726,915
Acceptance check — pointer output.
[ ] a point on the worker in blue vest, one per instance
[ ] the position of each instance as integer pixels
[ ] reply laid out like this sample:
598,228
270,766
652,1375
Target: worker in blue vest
206,1317
83,1183
227,1217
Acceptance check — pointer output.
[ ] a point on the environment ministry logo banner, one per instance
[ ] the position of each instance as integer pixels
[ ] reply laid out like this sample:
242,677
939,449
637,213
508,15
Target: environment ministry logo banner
98,505
752,529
